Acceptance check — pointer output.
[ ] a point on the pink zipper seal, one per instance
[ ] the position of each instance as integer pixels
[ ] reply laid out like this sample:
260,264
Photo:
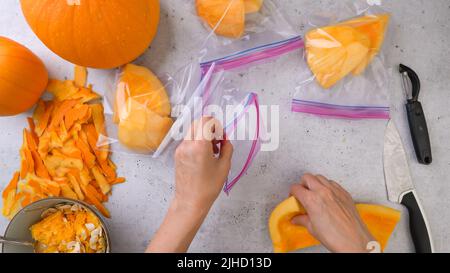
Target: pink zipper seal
256,146
255,56
338,111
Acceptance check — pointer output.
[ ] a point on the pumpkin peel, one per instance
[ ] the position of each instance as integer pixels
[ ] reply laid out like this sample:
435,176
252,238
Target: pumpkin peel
76,114
118,180
76,186
23,165
60,112
88,157
99,124
101,181
43,122
39,111
80,76
41,170
12,186
62,90
92,199
33,130
27,199
59,153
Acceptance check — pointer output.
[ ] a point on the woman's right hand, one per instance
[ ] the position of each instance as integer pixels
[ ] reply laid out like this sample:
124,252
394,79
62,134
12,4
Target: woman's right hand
332,217
202,165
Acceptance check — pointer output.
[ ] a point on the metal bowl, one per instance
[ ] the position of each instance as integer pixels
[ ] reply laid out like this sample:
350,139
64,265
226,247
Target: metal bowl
19,227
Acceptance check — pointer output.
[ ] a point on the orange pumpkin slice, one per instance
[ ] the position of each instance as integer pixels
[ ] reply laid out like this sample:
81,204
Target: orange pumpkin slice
80,76
142,109
252,6
335,51
141,129
226,17
140,84
374,26
286,237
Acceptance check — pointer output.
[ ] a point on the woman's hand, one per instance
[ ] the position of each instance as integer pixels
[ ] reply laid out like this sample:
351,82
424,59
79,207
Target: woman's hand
202,164
331,215
201,170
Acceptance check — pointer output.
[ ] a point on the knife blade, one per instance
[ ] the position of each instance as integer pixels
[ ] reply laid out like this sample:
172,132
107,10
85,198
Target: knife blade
401,189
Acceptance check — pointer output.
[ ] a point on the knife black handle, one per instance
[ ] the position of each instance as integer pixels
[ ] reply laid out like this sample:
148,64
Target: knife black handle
419,132
419,229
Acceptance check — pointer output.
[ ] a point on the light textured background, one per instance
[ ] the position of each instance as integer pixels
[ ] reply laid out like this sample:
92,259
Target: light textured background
348,151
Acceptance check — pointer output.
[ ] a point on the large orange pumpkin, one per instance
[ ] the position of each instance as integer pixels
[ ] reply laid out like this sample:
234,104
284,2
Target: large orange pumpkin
94,33
23,78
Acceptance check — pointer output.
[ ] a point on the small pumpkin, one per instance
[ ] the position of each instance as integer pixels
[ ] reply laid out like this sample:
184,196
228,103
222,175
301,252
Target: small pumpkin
94,33
286,237
23,78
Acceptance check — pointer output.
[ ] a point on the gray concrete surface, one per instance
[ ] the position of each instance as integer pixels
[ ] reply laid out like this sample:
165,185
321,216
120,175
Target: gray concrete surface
348,151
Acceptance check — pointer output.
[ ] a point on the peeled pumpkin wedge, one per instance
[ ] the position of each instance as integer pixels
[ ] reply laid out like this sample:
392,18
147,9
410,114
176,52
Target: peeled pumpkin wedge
226,17
142,109
286,237
252,6
144,87
333,52
141,129
374,26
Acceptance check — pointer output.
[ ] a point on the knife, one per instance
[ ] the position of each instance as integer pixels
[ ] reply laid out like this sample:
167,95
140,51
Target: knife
401,190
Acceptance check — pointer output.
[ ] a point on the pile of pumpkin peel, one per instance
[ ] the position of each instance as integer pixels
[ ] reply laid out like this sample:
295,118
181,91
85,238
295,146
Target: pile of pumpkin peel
59,155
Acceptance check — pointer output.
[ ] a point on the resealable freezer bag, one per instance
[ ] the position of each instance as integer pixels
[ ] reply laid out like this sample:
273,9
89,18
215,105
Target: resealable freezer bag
238,112
268,36
151,115
344,74
230,20
143,107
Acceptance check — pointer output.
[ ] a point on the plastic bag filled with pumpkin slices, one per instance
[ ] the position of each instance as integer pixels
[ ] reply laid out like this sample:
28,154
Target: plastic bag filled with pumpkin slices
229,21
343,74
152,115
59,155
265,34
142,108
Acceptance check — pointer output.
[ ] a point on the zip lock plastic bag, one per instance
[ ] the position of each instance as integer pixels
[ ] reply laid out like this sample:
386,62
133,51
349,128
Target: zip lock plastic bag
151,116
240,114
344,74
143,107
248,149
270,37
221,59
236,110
229,20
